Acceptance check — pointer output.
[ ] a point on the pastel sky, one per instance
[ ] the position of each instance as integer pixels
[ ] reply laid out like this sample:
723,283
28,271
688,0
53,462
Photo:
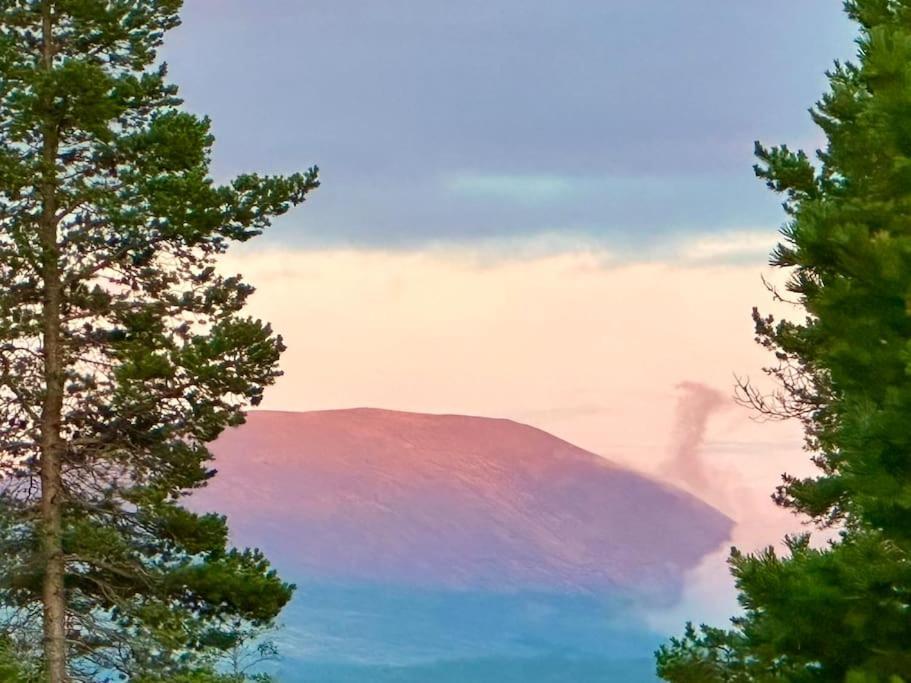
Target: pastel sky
537,210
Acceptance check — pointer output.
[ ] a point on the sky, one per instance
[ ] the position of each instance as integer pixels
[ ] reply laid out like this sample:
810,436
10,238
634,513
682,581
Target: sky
534,210
626,124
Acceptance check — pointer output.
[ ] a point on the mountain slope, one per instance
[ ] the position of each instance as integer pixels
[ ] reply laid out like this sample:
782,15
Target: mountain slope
451,502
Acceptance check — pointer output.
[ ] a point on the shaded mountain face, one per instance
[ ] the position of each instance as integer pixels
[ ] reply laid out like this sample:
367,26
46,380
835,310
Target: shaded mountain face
450,548
451,503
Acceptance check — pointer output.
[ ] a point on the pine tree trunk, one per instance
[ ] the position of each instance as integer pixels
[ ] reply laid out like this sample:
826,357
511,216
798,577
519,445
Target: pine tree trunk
52,445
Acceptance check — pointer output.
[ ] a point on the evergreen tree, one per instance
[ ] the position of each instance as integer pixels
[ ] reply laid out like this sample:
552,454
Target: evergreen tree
16,663
122,351
839,612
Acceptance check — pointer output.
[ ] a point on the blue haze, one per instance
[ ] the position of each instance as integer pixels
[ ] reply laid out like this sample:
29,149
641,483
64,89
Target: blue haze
359,633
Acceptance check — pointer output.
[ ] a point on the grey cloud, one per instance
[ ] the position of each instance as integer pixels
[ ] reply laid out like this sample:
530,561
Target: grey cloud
394,98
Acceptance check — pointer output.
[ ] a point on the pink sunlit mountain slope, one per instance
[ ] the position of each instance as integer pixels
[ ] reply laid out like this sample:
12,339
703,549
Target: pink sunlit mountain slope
450,501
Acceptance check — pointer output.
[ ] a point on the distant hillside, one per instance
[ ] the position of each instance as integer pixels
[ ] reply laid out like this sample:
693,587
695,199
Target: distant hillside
451,501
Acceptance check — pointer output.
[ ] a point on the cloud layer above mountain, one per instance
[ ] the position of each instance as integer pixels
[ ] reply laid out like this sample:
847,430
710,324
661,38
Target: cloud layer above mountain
625,122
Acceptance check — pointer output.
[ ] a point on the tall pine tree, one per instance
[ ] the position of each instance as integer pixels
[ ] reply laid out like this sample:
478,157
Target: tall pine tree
839,612
122,351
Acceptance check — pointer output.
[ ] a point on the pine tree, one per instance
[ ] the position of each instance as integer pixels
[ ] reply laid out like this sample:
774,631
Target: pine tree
838,612
123,352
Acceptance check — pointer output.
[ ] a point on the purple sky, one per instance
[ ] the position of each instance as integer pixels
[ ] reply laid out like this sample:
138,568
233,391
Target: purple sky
617,123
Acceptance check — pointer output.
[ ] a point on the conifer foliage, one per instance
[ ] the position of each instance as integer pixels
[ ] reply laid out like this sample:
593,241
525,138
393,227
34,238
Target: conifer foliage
122,351
839,612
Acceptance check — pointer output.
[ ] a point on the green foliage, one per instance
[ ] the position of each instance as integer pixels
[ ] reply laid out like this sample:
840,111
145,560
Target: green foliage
708,656
17,664
157,356
839,612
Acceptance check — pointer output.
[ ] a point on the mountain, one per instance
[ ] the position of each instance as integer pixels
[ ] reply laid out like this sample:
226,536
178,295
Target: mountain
452,501
426,541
